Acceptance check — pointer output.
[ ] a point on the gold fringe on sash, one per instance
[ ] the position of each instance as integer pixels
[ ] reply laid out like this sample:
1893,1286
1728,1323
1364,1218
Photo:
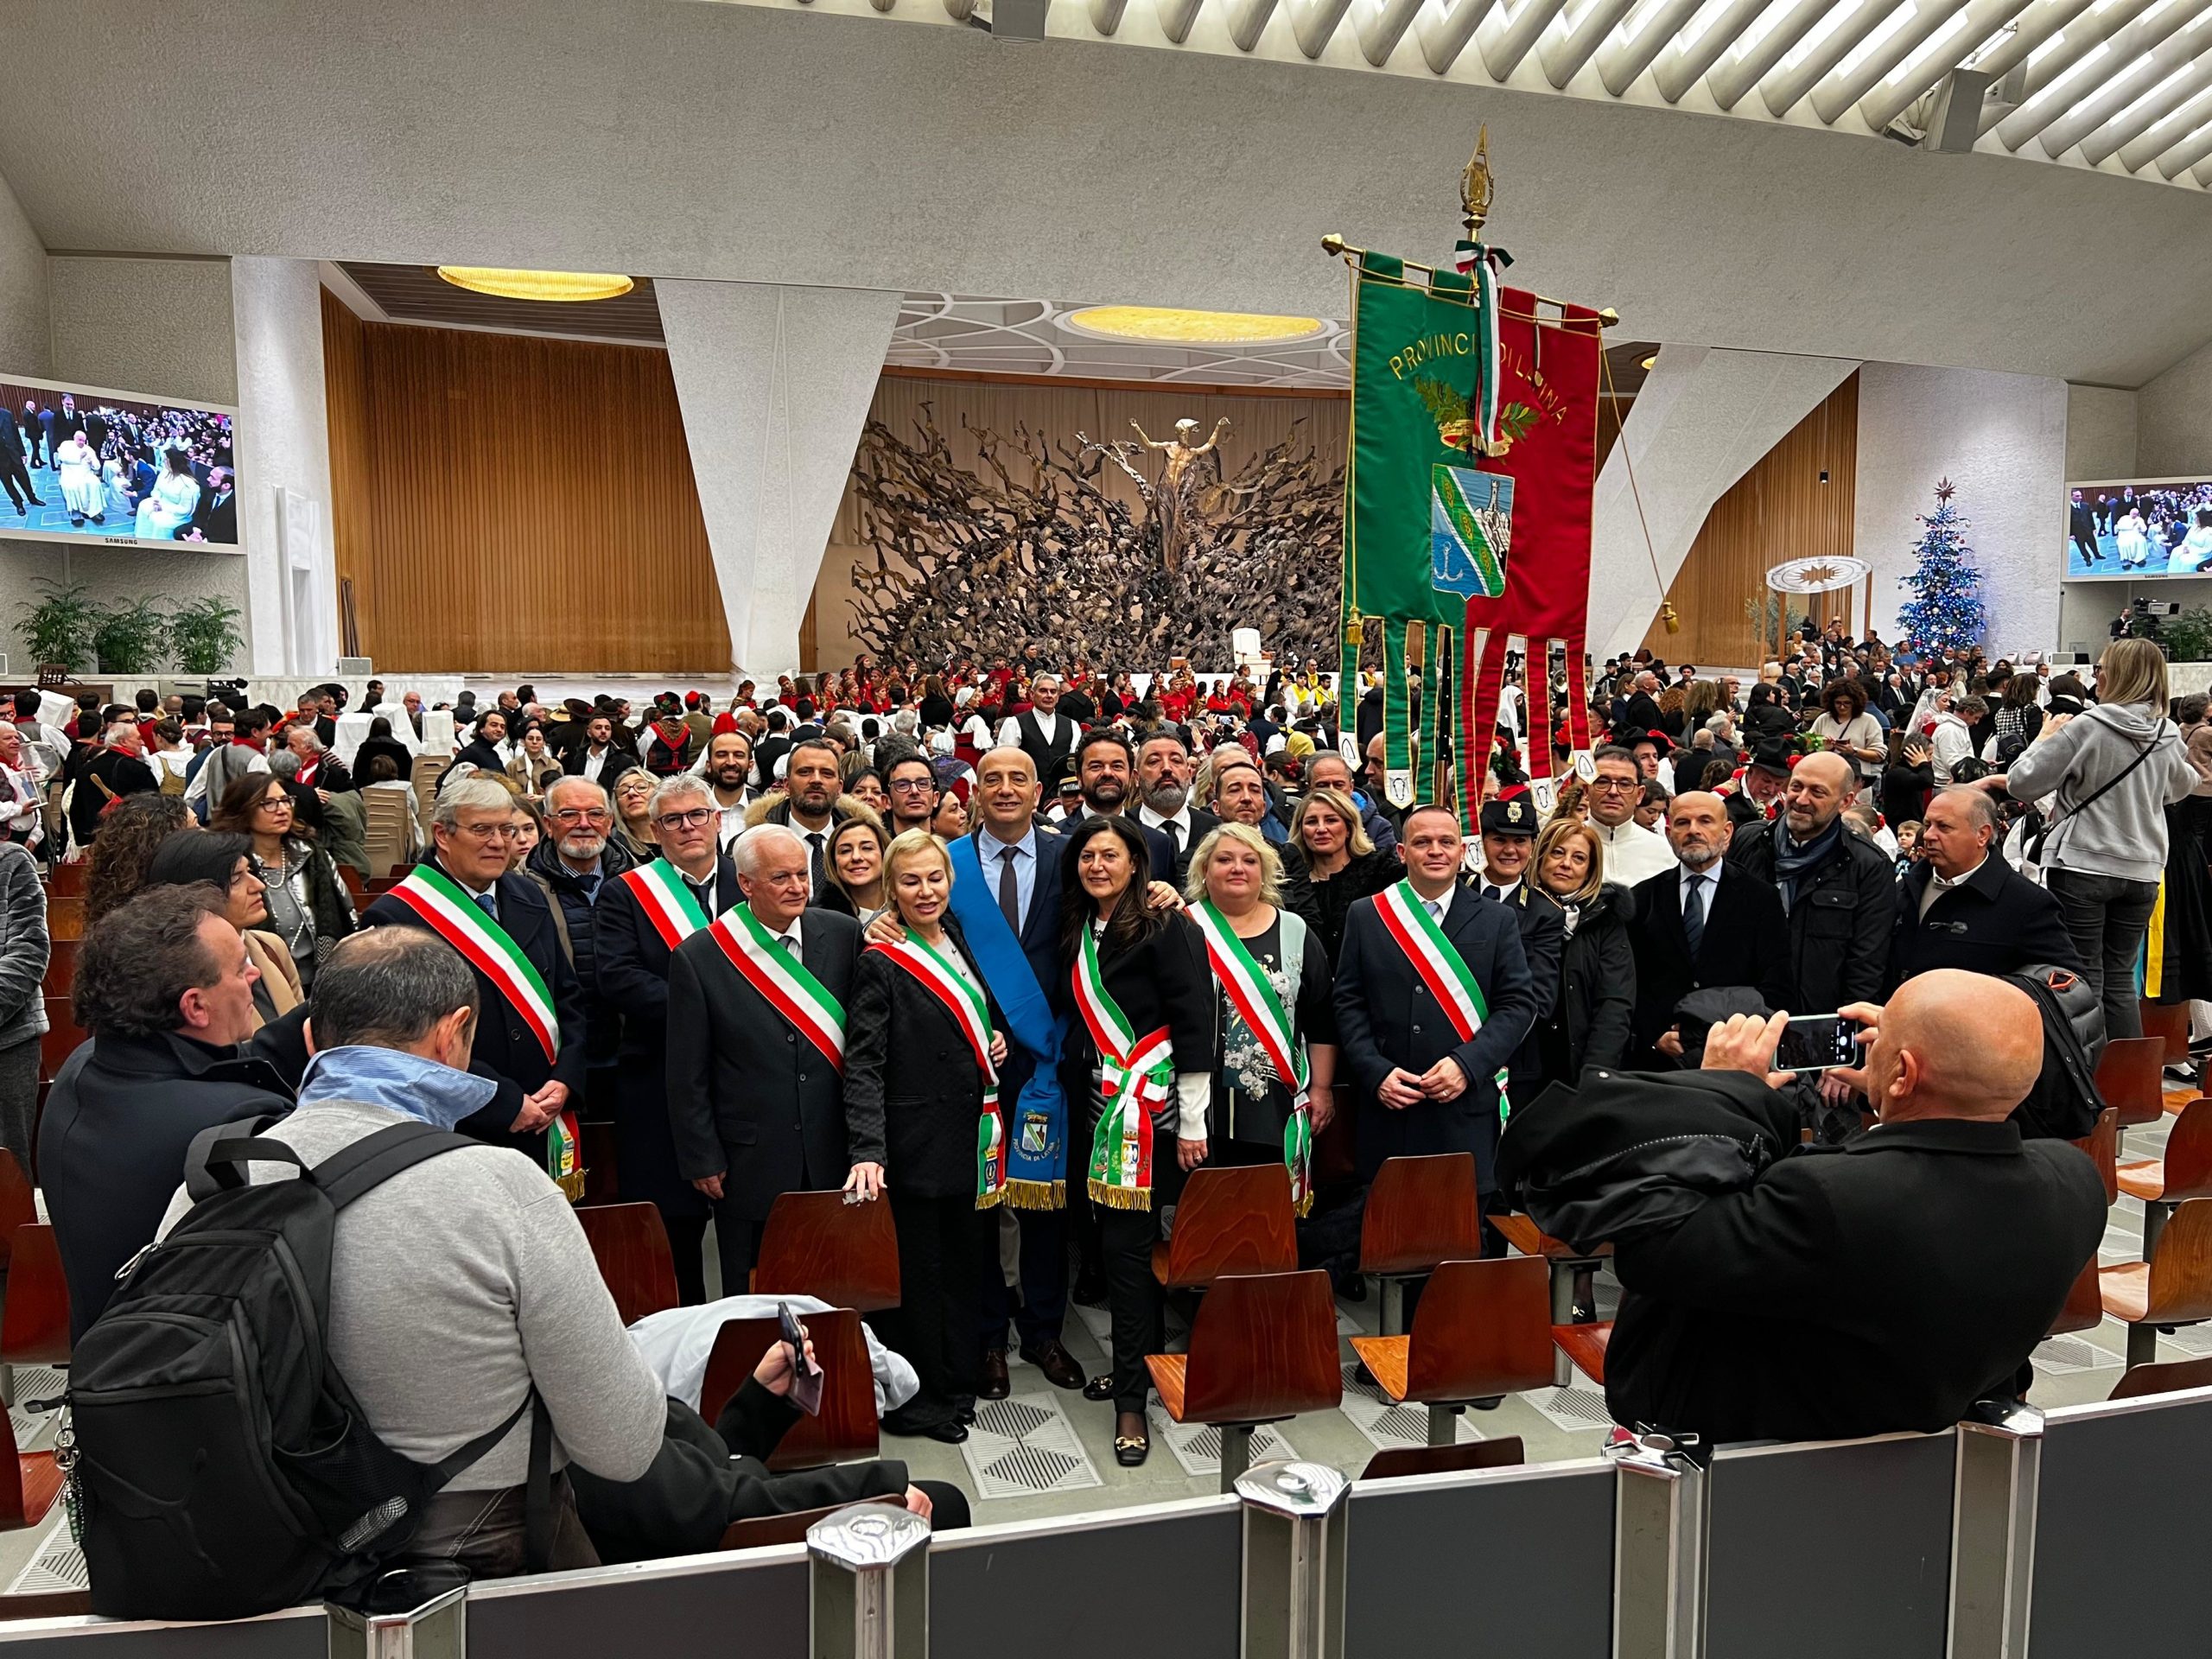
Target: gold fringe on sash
572,1184
991,1200
1037,1195
1121,1197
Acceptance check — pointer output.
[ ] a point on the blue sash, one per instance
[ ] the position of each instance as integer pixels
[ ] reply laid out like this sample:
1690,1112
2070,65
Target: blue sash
1036,1163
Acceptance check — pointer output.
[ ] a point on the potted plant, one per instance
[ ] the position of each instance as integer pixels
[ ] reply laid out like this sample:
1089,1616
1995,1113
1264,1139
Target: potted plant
58,629
203,634
127,638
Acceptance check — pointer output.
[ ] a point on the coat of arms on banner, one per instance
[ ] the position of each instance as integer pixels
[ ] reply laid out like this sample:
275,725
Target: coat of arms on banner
1470,530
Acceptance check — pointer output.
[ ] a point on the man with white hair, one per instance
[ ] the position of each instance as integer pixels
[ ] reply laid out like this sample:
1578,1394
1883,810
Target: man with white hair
1042,733
756,1044
21,787
641,918
116,767
318,767
529,1036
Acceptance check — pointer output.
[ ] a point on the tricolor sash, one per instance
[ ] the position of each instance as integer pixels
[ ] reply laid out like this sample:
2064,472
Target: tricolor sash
1437,960
446,907
784,980
564,1156
1136,1075
972,1015
1037,1133
1253,995
667,900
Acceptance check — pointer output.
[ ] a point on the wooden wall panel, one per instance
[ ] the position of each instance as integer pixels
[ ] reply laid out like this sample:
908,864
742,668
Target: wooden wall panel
516,504
1779,510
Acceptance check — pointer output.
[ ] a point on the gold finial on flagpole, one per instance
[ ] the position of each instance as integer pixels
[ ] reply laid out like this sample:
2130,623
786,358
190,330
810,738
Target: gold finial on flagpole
1476,186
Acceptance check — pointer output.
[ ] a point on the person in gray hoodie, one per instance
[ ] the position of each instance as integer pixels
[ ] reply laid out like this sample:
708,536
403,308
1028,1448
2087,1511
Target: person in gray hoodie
2112,771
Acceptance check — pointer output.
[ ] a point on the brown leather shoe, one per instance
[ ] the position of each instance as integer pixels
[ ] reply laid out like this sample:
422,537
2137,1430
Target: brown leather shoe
1058,1365
996,1383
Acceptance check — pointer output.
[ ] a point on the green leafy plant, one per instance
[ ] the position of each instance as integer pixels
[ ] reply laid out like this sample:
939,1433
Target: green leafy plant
131,638
203,634
2188,636
59,629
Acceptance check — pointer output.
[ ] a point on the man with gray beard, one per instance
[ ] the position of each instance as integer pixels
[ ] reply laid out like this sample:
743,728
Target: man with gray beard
571,862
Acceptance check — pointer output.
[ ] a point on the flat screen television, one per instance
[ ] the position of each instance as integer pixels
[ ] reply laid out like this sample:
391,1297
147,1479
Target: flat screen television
116,467
2138,529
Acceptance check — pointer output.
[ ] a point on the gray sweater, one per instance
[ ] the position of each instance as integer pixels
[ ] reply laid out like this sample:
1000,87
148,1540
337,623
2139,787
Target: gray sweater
23,947
2123,833
455,1286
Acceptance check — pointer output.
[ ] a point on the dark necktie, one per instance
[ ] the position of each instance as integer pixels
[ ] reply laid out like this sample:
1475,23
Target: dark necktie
1010,890
1694,915
704,894
813,871
483,903
1174,834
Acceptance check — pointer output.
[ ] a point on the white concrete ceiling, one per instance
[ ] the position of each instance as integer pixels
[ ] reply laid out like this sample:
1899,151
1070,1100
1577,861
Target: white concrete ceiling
751,143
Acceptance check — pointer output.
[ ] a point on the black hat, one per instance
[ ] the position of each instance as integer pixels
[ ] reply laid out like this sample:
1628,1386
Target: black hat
1773,755
1514,815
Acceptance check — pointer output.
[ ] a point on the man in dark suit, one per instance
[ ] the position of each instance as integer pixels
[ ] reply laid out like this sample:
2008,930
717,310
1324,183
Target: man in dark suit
13,471
472,830
1420,1086
110,769
215,520
1165,774
1702,924
46,424
1883,1285
634,936
1963,906
756,1106
35,429
1105,767
2082,528
1018,862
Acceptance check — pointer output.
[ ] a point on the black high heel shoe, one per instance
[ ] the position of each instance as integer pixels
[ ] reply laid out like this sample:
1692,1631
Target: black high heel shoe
1131,1450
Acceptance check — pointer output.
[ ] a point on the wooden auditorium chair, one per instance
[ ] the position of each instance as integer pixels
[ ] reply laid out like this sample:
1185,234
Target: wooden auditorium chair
1583,1346
845,1430
1504,1452
68,881
65,916
1574,1274
760,1531
60,967
819,1245
2185,1172
1422,1212
18,1205
2132,1077
2102,1144
1237,1220
2085,1303
1482,1330
35,1318
30,1482
2168,1022
630,1243
1263,1348
2173,1287
2168,1376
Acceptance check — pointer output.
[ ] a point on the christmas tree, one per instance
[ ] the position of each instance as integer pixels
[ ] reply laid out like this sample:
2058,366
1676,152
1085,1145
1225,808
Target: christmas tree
1945,612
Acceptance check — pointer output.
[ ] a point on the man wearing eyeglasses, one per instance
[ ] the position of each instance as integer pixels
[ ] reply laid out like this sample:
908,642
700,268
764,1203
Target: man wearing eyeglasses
472,830
911,785
572,862
1633,853
634,953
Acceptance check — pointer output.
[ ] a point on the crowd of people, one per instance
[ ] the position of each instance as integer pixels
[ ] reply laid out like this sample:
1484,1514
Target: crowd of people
153,471
1015,948
2160,530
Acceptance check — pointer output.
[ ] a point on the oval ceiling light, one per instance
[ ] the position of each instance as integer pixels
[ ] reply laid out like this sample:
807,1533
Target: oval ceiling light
564,286
1166,326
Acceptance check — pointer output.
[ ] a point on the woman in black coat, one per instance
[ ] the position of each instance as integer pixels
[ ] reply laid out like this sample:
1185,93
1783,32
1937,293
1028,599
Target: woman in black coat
913,1101
1589,1022
1151,964
1328,847
1765,715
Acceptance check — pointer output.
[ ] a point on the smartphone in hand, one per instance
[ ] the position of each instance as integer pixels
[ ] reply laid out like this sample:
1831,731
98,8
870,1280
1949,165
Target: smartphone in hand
806,1374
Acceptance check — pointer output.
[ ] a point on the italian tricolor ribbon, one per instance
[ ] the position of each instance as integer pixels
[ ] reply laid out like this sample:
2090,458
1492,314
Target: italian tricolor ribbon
449,911
1253,995
1136,1075
667,899
783,979
1437,962
564,1160
972,1015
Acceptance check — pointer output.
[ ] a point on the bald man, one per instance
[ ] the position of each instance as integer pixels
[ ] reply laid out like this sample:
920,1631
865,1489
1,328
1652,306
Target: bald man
1881,1286
1702,924
1837,887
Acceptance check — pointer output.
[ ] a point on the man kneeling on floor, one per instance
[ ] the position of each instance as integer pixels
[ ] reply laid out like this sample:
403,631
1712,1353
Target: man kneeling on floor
462,1283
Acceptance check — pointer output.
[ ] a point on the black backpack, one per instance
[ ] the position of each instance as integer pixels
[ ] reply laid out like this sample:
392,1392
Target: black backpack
221,1466
2064,1102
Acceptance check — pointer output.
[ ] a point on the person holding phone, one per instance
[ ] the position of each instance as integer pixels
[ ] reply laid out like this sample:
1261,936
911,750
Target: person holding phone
921,1099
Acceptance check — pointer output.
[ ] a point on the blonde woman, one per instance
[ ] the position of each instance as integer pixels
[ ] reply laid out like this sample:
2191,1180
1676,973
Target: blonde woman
1589,1022
1274,1047
632,794
2111,771
1330,848
923,1048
